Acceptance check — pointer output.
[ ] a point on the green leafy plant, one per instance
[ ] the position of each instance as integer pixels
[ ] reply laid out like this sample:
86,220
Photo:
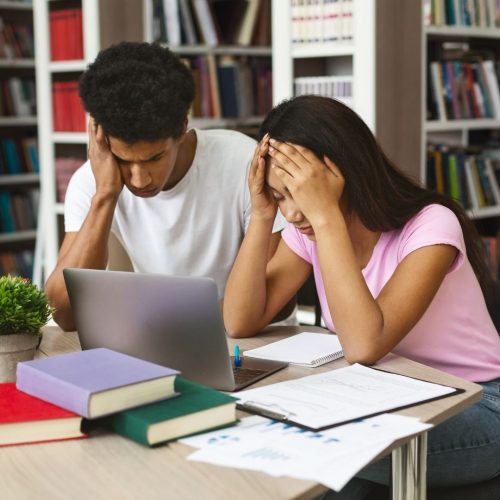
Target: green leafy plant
24,308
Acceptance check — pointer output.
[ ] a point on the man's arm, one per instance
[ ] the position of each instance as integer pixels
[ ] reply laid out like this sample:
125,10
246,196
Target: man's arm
88,248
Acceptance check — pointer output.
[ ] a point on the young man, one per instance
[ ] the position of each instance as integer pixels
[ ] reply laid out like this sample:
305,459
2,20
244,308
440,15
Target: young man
176,199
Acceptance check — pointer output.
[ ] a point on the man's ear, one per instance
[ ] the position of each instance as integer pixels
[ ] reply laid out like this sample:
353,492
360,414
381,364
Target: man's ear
183,133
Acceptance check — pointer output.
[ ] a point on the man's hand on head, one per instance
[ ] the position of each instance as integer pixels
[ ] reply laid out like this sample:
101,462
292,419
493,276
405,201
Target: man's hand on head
106,171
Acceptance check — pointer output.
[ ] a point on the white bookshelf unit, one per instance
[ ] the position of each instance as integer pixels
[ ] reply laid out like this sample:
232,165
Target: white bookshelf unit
49,226
17,180
354,58
385,78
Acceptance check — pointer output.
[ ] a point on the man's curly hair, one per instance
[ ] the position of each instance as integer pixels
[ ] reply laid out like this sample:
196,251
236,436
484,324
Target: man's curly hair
138,91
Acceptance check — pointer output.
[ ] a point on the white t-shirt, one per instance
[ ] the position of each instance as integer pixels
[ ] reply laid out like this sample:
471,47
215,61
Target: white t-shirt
193,229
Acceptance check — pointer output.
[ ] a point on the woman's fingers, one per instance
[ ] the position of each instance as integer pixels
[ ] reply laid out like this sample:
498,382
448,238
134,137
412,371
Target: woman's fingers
283,161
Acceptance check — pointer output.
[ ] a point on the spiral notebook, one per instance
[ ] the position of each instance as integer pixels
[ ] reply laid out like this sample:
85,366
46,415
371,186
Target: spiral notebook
307,349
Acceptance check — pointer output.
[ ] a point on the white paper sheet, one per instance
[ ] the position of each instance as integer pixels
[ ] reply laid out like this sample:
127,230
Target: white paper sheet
338,396
331,457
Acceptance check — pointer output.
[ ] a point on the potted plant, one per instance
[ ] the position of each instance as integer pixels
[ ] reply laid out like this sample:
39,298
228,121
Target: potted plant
24,309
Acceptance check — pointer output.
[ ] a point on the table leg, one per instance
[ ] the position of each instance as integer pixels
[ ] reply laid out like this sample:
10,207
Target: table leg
409,469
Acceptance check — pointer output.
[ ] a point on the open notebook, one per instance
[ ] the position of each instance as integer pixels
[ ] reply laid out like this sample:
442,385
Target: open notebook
307,348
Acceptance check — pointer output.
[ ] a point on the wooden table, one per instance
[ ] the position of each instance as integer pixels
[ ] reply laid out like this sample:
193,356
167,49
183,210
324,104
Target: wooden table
107,466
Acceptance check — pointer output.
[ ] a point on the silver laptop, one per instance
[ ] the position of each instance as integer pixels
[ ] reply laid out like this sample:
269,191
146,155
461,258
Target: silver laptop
172,321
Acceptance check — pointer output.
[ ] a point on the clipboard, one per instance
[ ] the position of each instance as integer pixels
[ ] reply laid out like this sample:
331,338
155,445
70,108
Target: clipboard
279,412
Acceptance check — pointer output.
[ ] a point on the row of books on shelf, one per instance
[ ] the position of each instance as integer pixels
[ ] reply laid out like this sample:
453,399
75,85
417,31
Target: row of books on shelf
336,87
322,21
17,97
65,167
16,40
19,156
472,178
231,87
17,263
68,112
461,89
66,34
477,13
209,22
67,396
18,210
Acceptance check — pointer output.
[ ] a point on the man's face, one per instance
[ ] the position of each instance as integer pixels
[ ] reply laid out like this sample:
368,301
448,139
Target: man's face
145,166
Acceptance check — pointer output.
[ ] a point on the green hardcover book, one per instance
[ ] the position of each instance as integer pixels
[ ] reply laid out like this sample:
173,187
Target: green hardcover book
196,409
454,184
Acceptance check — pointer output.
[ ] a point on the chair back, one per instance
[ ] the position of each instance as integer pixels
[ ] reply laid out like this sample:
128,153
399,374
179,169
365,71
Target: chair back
493,303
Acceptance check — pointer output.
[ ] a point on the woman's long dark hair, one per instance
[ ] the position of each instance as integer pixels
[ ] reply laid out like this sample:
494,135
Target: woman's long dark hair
382,196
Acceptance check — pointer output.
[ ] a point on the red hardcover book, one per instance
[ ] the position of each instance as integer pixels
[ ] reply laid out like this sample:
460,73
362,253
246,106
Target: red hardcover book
66,34
57,106
26,419
78,117
57,44
78,34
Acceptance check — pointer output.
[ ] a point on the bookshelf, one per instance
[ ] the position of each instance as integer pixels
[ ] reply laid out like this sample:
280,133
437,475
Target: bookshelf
19,178
102,24
460,120
227,45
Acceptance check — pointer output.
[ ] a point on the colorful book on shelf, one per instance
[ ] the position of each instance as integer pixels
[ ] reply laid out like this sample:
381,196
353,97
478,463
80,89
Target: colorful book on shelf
196,409
26,419
96,382
206,22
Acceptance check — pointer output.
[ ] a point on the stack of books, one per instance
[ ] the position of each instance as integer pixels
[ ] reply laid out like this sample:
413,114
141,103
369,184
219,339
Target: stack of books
140,400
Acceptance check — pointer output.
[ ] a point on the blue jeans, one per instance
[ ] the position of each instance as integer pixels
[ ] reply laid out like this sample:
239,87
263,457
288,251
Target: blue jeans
462,450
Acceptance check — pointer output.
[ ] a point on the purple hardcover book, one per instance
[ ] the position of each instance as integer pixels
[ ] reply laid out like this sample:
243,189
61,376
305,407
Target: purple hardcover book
71,380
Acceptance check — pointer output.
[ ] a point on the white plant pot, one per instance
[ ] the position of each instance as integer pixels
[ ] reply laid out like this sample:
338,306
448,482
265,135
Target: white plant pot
15,348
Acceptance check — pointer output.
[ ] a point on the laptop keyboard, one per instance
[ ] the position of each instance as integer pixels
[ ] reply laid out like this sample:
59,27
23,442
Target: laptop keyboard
242,375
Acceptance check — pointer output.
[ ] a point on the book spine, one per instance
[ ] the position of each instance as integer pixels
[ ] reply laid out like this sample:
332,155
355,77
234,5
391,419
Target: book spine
128,426
53,390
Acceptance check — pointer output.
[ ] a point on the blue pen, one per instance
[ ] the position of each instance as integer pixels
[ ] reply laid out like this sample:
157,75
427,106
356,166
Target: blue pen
237,359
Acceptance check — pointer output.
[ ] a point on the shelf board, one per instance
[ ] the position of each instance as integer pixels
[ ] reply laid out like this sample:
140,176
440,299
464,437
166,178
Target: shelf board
483,213
70,137
443,126
237,50
462,32
67,66
17,63
18,179
197,122
16,5
18,236
18,121
322,50
59,208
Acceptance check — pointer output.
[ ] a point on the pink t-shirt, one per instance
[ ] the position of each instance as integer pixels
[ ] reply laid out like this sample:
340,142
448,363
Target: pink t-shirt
456,333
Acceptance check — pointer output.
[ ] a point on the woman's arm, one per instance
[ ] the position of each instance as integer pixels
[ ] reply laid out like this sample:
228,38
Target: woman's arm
257,289
370,327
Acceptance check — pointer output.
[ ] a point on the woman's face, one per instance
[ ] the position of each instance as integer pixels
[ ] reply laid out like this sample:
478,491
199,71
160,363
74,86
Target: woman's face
286,203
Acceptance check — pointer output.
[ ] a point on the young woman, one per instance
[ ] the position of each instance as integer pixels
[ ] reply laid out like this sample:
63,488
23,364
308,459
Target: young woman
397,268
